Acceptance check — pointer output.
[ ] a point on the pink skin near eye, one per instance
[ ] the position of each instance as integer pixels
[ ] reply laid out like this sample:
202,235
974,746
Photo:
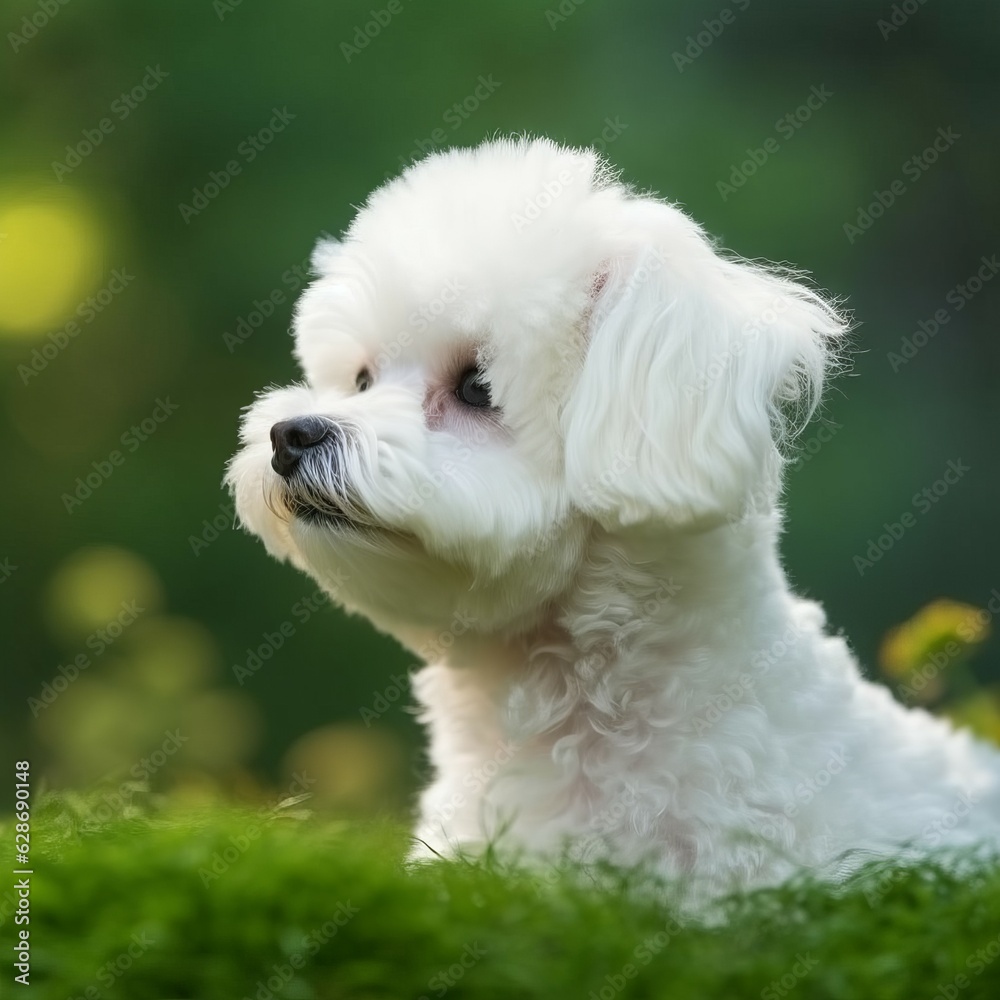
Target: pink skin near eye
444,411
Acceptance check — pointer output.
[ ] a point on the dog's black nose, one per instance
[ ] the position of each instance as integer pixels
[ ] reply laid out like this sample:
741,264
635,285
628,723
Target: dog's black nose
291,439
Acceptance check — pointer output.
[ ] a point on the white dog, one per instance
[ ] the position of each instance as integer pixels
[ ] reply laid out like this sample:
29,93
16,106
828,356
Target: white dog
540,442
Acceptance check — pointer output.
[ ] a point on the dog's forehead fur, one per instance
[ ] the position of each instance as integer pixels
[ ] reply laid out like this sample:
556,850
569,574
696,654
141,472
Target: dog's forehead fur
506,221
479,246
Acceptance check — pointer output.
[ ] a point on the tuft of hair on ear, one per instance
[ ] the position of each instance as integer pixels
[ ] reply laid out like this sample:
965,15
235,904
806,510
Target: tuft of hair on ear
326,251
821,347
701,368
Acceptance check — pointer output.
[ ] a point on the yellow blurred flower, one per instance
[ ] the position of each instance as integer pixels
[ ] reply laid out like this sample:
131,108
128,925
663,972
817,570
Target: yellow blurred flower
940,634
50,257
980,713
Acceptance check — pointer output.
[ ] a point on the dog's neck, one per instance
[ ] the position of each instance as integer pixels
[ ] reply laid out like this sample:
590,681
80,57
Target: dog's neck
627,666
644,604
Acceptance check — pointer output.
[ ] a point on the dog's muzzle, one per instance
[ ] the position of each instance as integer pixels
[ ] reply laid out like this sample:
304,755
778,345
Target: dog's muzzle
308,455
292,439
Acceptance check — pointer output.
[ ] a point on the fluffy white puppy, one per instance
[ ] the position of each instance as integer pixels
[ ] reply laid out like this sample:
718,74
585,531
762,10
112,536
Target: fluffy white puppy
539,441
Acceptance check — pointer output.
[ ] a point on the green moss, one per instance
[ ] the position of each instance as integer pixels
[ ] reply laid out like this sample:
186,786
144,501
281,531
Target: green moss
232,904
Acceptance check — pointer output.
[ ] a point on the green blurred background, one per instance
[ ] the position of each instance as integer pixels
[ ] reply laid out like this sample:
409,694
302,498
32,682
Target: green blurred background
116,115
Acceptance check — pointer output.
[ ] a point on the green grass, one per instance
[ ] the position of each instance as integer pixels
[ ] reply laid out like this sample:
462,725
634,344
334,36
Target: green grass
299,908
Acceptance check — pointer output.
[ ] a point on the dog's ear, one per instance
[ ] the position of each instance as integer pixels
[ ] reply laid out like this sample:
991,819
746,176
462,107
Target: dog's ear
699,368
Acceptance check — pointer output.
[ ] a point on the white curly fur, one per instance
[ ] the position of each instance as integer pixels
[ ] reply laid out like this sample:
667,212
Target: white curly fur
615,662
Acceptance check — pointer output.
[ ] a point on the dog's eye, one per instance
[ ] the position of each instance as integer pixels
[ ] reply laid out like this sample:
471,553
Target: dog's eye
364,380
472,389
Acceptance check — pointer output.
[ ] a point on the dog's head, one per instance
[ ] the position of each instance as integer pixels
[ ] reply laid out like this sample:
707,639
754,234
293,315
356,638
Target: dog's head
508,351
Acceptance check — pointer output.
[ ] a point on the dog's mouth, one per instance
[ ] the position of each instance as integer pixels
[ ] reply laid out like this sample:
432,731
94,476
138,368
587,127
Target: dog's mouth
300,499
325,515
343,518
325,512
312,487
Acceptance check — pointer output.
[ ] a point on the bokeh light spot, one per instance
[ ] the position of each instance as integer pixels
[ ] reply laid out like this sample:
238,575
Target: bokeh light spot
171,656
352,768
98,587
222,728
50,255
93,730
